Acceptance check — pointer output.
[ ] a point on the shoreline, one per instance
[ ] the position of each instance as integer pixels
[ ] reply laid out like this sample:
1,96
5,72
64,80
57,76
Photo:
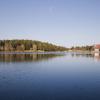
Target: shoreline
31,52
39,51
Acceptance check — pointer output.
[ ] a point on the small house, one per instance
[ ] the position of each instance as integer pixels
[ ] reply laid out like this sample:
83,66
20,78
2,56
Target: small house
97,48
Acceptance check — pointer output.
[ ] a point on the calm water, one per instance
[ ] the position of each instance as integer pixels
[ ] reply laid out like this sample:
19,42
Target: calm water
49,76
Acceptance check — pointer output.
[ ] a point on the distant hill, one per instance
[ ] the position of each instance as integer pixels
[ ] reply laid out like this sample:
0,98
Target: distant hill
28,45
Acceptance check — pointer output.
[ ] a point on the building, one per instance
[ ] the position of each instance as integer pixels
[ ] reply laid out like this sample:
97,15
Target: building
97,48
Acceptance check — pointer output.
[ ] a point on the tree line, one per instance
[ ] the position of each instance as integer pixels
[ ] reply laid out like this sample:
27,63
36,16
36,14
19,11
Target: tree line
28,45
83,48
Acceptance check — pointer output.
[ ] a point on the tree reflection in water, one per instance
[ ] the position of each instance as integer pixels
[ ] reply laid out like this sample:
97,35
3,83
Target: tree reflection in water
88,55
95,56
26,57
35,57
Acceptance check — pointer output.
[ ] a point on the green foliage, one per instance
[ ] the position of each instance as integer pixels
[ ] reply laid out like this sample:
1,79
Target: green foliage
84,48
22,45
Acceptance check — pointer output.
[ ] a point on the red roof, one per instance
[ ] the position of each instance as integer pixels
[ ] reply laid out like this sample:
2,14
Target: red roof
97,46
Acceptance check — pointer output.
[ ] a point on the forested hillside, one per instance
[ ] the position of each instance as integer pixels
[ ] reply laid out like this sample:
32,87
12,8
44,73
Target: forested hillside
28,45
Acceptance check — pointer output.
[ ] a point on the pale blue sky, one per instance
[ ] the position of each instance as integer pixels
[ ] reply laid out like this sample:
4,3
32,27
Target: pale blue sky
62,22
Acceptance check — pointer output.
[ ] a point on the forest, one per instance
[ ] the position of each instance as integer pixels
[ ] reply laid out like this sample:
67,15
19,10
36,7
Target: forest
29,45
83,48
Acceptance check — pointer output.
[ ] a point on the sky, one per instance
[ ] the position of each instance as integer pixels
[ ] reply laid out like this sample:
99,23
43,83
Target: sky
61,22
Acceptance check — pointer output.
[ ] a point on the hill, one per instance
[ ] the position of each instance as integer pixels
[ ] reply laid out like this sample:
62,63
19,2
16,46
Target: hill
28,45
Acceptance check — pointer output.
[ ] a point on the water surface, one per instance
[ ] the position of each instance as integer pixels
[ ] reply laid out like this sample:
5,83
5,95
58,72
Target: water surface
49,76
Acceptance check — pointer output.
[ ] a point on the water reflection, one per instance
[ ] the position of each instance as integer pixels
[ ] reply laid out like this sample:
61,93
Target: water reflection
26,57
97,56
88,55
34,57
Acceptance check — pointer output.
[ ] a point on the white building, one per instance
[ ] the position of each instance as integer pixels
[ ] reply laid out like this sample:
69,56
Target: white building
97,48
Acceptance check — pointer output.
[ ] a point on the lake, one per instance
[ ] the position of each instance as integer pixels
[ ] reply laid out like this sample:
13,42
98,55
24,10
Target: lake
49,76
